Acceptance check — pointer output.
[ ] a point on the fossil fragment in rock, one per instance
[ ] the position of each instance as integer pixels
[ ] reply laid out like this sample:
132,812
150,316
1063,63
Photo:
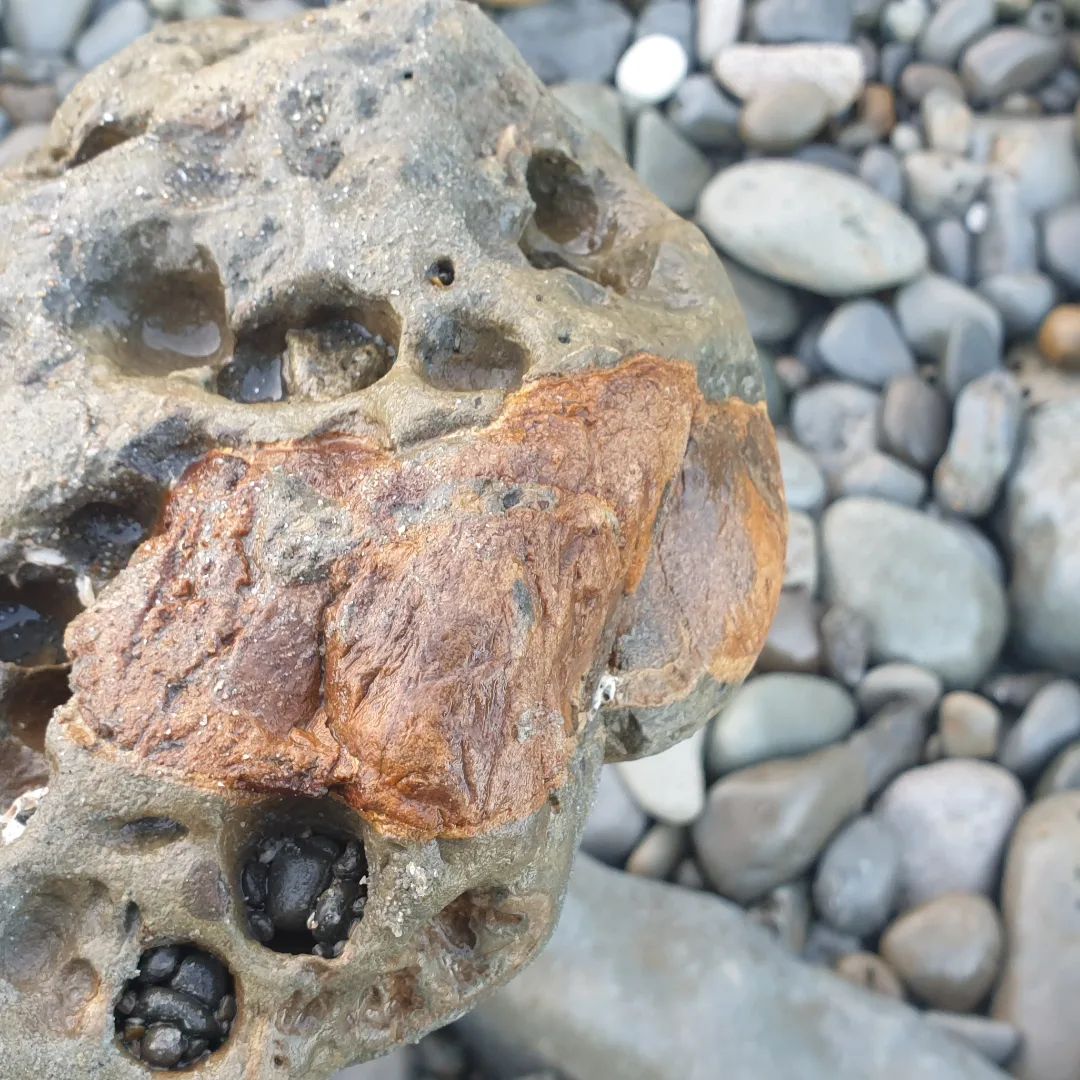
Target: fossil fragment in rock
409,461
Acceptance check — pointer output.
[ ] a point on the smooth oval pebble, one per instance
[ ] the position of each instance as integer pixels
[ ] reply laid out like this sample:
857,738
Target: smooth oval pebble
1059,338
669,786
163,1045
298,874
162,1004
1007,60
856,880
203,977
778,715
651,69
860,340
812,227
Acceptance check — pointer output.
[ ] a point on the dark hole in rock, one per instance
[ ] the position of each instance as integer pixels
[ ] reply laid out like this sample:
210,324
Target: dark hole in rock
33,614
151,832
178,1009
132,916
461,355
100,538
567,210
157,321
441,272
305,891
319,355
101,138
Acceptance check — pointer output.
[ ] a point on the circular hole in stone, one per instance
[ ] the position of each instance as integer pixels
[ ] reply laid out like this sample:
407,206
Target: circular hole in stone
459,354
441,272
567,210
178,1009
304,891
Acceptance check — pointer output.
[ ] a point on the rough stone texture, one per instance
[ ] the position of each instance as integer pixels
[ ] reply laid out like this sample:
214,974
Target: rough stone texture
647,980
1042,514
341,218
1040,900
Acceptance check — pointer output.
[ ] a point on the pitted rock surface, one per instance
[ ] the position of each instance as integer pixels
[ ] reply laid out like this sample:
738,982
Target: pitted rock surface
450,448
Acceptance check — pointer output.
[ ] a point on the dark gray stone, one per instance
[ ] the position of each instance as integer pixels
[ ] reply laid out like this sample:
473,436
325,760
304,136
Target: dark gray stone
668,164
705,114
793,643
1061,244
928,307
772,310
891,742
915,421
845,642
950,249
675,18
880,168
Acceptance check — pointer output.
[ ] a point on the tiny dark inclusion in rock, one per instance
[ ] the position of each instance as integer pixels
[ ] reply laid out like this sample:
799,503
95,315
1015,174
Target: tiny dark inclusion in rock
304,893
27,637
178,1008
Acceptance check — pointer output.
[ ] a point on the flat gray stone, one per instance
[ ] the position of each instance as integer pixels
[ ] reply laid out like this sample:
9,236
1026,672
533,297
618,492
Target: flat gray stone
804,484
1008,60
812,227
669,165
658,852
899,682
950,248
1042,530
783,21
718,26
801,564
891,742
114,29
953,26
928,307
615,823
778,715
952,819
674,18
970,353
880,168
995,1040
880,476
772,310
767,824
856,880
982,446
940,184
927,597
1009,242
1040,899
794,643
837,422
947,120
860,340
48,27
1022,300
570,39
669,786
1062,774
1049,723
596,1003
705,114
845,644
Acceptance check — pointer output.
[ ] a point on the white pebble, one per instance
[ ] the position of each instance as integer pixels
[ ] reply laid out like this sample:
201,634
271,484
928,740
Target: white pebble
902,20
651,70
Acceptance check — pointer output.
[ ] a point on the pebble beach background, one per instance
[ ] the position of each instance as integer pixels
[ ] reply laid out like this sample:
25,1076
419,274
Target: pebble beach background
894,187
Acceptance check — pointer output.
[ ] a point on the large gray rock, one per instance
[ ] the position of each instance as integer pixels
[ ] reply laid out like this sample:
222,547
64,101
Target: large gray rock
1042,531
654,982
927,596
1040,899
811,226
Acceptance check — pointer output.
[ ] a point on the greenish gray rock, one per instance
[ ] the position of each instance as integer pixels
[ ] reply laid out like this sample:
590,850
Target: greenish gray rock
952,819
767,824
812,227
1040,902
927,597
778,715
669,165
593,1005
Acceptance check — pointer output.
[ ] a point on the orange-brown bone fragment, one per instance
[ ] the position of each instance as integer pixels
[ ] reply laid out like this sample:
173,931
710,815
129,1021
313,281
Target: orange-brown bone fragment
415,630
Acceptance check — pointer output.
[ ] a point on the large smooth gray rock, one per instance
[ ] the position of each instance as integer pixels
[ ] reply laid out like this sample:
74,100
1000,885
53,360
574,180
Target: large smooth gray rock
811,226
654,982
927,596
1042,531
1041,904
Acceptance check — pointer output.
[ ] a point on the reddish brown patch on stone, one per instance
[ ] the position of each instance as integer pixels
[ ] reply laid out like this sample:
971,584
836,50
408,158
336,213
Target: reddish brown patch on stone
415,630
